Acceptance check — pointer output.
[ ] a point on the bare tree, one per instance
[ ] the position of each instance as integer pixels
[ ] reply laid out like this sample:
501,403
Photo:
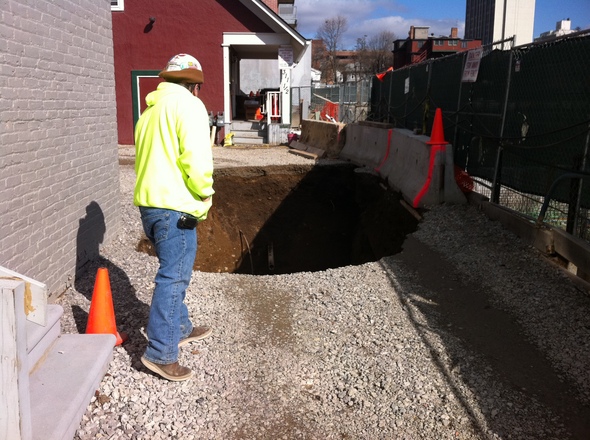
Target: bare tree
331,33
380,47
362,57
374,55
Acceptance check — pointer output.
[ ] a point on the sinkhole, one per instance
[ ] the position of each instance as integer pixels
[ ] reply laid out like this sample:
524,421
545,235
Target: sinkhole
286,219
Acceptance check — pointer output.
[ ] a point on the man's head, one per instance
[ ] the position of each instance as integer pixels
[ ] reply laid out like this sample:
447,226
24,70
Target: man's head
183,69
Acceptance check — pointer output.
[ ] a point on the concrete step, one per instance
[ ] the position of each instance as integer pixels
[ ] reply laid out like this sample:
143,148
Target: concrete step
238,140
40,338
64,382
249,132
248,125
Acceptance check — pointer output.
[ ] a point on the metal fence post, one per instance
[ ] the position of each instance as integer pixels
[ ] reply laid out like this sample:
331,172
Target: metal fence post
573,215
458,100
407,97
389,98
496,185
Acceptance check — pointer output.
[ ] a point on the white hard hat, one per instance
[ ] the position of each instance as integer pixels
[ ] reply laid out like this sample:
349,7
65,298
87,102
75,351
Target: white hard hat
183,68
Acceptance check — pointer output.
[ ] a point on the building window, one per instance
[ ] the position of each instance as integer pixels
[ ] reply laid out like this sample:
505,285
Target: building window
438,42
420,44
452,42
464,44
117,5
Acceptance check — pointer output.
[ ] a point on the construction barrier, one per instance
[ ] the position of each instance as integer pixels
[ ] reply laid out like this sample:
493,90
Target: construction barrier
367,143
419,167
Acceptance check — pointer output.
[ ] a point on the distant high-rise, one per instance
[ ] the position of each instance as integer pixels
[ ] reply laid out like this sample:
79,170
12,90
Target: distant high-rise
495,20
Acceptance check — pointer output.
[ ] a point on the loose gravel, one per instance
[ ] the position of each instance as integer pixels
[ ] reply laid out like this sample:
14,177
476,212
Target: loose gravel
358,352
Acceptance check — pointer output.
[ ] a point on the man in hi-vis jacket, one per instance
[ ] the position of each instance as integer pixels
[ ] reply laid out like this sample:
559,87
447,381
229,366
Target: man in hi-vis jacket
173,190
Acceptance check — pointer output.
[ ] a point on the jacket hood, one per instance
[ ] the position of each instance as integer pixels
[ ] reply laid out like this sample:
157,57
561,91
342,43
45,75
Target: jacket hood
164,89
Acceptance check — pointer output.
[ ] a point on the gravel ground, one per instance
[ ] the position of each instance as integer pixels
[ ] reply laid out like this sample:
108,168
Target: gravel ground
433,343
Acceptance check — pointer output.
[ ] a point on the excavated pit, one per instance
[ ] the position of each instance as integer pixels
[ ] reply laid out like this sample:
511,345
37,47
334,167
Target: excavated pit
286,219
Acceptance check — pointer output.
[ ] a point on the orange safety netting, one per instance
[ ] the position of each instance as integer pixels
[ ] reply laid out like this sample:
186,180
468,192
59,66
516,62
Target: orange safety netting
330,109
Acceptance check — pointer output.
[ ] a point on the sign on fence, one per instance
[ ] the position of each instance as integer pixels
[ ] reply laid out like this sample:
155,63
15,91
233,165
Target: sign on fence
472,65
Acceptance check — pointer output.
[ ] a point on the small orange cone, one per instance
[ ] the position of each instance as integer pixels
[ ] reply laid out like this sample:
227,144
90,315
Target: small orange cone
258,115
437,136
381,76
101,318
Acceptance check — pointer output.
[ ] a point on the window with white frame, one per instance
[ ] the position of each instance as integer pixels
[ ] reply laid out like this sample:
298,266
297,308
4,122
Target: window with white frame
117,5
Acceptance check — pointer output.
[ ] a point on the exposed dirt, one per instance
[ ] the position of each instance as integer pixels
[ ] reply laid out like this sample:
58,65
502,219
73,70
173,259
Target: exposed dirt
285,219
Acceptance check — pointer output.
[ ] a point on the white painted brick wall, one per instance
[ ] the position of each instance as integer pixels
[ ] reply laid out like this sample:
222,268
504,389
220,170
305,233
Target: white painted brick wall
58,136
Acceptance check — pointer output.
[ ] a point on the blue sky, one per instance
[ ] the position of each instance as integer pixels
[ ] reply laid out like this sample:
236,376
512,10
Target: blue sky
369,17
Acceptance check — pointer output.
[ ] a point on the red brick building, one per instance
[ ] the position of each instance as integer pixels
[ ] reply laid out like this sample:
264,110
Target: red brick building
420,46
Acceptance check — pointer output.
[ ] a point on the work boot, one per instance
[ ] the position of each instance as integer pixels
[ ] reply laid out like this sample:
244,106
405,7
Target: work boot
174,371
197,334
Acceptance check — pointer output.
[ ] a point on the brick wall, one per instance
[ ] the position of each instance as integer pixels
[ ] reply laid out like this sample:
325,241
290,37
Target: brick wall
59,176
273,4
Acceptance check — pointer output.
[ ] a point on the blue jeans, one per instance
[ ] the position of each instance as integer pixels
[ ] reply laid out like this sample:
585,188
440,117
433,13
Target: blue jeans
176,250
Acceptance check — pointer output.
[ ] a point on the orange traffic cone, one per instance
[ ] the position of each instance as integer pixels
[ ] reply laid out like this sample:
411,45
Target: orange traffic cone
439,145
381,76
437,136
258,116
101,318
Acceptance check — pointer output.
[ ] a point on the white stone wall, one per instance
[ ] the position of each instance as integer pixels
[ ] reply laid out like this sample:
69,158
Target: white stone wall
58,137
520,17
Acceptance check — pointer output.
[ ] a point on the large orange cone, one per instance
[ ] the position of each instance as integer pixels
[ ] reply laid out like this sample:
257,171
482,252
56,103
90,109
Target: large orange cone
439,145
101,318
437,137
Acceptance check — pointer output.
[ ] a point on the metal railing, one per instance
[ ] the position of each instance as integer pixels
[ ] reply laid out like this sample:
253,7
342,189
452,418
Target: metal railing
272,107
346,102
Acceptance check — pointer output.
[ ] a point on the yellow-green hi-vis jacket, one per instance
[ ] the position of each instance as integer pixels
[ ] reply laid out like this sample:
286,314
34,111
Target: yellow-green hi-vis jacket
173,157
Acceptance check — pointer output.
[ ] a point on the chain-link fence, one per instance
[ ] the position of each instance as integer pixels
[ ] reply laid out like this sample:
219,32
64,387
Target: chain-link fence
347,102
521,130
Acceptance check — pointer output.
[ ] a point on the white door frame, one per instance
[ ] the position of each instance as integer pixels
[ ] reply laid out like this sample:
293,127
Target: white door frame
244,39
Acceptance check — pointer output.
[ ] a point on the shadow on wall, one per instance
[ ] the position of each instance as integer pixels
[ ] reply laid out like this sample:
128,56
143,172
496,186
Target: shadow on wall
131,314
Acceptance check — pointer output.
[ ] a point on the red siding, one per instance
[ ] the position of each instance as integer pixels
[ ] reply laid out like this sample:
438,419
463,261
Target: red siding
181,26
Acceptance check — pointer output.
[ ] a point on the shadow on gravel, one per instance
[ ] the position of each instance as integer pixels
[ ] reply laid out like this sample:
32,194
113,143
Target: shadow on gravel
485,345
131,314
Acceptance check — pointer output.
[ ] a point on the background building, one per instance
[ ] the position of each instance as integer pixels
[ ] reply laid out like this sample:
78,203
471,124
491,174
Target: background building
258,74
489,20
238,44
562,27
420,46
